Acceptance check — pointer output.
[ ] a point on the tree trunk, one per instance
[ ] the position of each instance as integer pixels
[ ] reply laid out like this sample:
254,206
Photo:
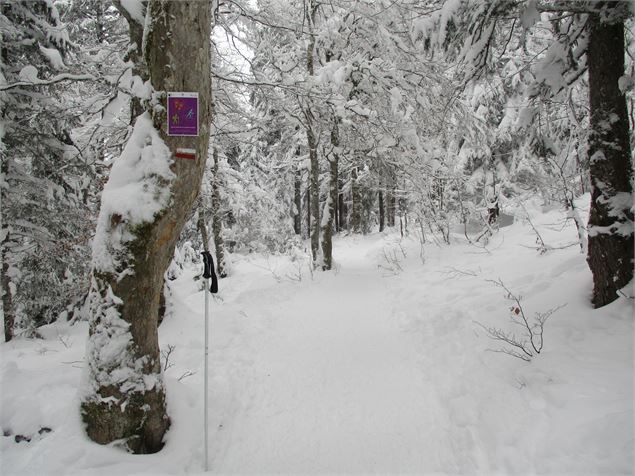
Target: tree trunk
124,396
342,210
314,172
381,211
202,229
314,193
307,207
610,253
135,54
330,206
217,223
356,203
8,313
390,205
297,202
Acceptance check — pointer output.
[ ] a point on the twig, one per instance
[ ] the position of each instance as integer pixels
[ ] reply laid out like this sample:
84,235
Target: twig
533,342
166,357
188,373
543,247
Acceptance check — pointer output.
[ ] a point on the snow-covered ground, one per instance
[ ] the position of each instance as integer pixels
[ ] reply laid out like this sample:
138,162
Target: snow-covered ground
379,367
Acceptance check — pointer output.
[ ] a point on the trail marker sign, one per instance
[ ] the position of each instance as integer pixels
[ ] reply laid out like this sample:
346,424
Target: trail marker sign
183,114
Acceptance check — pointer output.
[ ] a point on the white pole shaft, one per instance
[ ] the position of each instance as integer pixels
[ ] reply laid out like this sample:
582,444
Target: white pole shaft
206,354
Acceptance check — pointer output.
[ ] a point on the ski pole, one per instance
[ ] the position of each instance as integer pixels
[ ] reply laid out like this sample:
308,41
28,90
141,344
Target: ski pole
208,272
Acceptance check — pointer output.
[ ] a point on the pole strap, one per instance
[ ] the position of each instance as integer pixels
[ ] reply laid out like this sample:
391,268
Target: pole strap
208,271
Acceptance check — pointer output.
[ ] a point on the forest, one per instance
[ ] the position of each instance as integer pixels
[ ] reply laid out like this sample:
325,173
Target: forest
317,236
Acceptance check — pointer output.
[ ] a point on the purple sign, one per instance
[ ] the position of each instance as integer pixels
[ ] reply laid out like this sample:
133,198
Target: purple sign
183,114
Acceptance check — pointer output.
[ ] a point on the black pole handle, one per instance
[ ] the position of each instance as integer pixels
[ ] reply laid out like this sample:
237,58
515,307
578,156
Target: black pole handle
208,271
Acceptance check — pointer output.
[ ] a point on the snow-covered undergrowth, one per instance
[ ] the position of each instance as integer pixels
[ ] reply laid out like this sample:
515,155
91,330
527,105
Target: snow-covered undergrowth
380,366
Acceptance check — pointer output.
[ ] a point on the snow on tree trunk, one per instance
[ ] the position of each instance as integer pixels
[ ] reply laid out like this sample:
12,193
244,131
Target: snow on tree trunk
610,245
144,205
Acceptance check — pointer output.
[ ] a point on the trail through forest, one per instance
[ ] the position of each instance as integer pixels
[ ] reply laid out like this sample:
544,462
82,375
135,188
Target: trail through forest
344,387
380,366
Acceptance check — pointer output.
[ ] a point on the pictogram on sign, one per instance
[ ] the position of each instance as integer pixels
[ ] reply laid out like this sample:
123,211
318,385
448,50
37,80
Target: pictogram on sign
183,114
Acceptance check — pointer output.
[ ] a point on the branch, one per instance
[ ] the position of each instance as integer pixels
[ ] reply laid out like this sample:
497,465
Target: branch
55,79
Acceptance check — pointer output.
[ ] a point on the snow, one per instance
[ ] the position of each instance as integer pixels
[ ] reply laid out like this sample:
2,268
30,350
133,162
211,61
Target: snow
377,367
138,187
626,83
54,57
112,110
135,9
530,15
29,73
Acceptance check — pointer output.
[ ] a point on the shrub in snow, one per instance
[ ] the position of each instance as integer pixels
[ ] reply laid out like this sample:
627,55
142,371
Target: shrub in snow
530,341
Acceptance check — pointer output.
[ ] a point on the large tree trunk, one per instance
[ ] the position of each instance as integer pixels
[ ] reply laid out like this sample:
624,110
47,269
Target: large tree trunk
610,254
124,396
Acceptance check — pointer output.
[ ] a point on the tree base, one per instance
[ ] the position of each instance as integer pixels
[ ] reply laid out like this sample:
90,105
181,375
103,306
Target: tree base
138,420
606,250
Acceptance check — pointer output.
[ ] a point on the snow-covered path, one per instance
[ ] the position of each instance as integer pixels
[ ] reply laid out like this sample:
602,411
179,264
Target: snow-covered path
342,386
378,367
341,390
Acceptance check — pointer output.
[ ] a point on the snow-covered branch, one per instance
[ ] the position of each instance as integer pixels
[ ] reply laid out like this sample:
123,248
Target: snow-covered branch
47,82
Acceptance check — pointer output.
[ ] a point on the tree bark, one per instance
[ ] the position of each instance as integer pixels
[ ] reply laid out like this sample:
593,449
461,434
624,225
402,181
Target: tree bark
217,223
202,229
135,54
314,194
124,396
610,252
307,207
390,204
8,315
356,203
330,207
381,211
342,210
297,202
314,172
8,312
